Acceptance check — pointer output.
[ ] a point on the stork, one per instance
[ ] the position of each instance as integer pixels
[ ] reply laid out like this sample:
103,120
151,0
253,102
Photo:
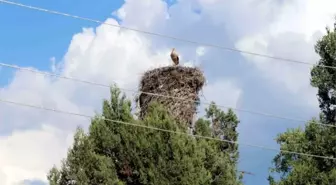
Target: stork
174,56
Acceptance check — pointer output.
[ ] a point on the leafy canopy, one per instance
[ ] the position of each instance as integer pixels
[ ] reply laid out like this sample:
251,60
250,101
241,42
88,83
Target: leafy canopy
314,138
114,153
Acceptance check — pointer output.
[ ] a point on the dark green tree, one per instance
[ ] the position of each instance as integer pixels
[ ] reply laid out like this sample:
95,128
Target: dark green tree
325,78
135,152
84,166
314,138
220,156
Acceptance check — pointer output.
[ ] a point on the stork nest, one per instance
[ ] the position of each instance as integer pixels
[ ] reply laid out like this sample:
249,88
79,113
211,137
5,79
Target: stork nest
176,87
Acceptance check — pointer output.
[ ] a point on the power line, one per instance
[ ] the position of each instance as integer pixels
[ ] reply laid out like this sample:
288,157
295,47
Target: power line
104,85
153,94
161,35
246,172
163,130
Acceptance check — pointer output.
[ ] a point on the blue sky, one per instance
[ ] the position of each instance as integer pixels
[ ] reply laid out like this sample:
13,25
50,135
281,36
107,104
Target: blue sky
30,38
37,36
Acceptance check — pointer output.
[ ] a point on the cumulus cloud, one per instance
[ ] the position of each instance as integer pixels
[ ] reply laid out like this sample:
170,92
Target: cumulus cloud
108,55
293,77
32,143
29,154
35,140
223,92
292,34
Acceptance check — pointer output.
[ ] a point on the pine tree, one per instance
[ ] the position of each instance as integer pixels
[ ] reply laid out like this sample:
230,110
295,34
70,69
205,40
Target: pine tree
83,166
116,153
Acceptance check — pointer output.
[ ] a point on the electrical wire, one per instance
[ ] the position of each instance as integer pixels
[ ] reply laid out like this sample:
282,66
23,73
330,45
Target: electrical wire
153,94
164,130
162,35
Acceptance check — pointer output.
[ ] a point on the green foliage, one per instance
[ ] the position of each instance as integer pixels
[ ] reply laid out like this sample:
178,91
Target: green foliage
115,153
221,156
297,169
224,126
314,138
83,166
325,78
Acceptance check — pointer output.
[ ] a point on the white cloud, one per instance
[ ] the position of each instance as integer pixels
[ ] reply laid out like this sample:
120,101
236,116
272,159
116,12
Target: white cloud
105,55
304,17
132,13
200,51
292,34
223,92
108,54
295,77
30,154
